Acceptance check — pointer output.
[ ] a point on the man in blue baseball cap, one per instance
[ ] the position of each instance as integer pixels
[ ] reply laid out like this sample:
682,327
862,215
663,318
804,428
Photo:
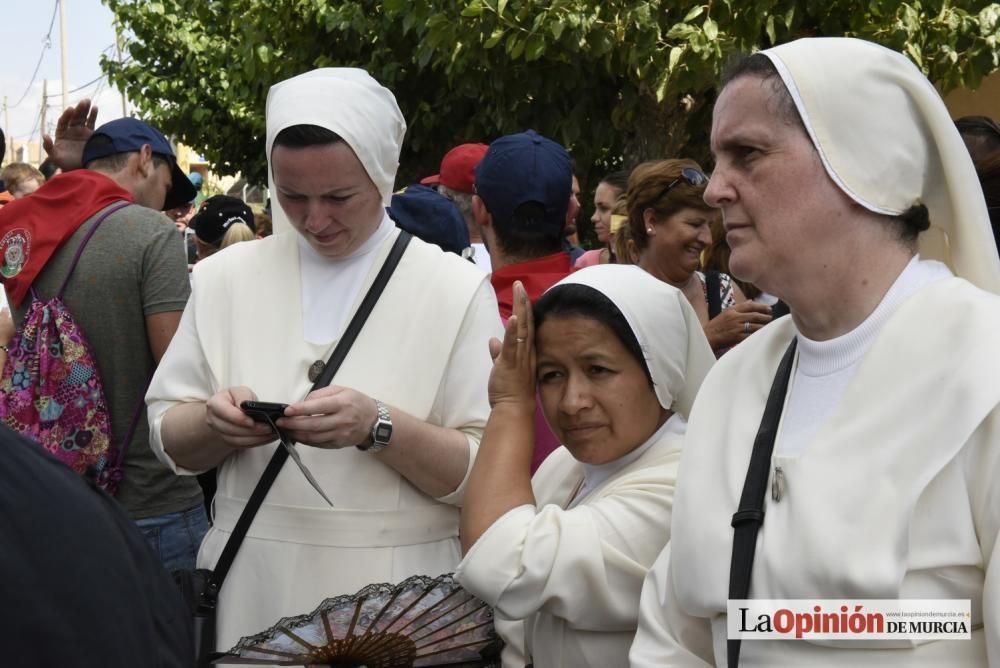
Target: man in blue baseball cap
523,189
126,293
141,160
524,184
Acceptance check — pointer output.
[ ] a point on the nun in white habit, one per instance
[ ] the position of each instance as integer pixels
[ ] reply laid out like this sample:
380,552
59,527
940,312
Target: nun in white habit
562,556
847,192
262,313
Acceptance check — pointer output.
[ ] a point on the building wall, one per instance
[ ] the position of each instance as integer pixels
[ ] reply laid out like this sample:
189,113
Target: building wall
985,101
23,151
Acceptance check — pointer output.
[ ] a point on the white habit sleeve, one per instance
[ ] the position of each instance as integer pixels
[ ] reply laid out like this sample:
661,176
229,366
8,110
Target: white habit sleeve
182,376
667,636
461,401
584,565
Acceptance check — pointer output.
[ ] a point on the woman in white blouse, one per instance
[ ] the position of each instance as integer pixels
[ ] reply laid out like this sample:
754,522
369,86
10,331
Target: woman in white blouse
618,357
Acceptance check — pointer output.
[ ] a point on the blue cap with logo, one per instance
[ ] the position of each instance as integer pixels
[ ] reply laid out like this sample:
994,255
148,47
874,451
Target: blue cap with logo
430,216
525,167
130,134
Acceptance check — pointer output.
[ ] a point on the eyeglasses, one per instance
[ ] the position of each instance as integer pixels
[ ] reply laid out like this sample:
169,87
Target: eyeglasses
690,176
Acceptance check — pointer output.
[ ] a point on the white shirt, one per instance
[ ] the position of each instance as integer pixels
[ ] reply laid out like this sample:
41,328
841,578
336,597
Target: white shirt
328,281
482,257
824,368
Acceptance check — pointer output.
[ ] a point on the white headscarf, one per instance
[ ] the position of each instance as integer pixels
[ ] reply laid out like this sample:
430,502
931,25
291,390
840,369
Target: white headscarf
888,142
673,343
349,102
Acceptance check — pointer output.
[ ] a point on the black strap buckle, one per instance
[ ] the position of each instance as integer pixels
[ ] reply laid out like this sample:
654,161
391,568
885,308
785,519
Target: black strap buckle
741,517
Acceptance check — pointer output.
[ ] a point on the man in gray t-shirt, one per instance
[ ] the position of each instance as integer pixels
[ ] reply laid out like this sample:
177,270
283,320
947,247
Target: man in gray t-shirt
127,294
133,269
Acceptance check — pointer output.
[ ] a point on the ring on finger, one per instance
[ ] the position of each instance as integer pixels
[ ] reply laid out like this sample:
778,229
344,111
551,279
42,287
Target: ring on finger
746,326
520,339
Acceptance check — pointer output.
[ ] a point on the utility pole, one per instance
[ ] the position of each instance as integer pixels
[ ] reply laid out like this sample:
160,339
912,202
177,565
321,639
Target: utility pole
118,44
45,107
62,48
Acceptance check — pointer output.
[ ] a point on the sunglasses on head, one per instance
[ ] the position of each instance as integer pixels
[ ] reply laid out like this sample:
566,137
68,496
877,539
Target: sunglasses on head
690,176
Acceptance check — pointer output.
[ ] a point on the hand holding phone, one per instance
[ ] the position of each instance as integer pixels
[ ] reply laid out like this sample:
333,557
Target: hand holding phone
268,413
263,411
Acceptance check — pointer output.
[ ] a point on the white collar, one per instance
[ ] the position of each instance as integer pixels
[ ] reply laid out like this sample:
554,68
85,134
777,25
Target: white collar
820,358
331,286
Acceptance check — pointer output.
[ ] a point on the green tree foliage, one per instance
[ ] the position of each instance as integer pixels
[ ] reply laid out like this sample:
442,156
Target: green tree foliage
614,80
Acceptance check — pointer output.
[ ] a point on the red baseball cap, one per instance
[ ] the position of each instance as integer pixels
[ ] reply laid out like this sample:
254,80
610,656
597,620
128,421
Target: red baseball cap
458,168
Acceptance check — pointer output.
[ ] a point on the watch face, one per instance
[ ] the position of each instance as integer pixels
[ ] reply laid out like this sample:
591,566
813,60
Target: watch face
383,432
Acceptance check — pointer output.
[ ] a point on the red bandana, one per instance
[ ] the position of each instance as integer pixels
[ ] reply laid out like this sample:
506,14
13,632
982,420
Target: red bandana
536,275
34,227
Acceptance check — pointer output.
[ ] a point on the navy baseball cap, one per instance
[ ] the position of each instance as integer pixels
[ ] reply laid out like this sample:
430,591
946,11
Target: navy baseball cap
525,167
430,216
128,135
217,214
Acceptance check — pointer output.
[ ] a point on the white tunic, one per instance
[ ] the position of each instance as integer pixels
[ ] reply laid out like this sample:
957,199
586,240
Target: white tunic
423,350
574,575
894,497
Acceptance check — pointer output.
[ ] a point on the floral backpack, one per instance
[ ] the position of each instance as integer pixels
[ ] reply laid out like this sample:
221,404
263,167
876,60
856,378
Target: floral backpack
51,390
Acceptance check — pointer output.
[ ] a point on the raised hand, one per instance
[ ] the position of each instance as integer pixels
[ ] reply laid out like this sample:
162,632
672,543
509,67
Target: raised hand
513,377
75,126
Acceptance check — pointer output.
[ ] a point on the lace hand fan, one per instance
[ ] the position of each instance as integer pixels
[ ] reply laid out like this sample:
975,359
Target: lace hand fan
419,622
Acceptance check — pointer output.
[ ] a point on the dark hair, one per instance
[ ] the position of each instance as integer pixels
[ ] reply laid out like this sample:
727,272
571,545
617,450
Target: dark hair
981,135
649,188
759,66
912,222
717,259
528,234
988,170
617,180
574,299
3,146
48,168
979,126
300,136
117,161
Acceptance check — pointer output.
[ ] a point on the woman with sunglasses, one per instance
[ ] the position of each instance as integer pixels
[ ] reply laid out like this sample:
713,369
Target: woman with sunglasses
670,226
617,357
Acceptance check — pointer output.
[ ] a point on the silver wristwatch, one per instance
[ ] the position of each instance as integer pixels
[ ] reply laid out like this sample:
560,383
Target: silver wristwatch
381,431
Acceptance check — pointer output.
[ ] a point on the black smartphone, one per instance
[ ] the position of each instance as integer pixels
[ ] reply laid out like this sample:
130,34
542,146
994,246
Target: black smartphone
260,411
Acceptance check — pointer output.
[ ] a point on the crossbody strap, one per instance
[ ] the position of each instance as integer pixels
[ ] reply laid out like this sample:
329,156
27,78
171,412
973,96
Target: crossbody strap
338,355
750,516
83,244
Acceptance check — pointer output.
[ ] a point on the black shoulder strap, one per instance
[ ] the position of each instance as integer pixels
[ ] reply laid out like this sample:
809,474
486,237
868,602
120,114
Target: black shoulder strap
225,561
713,287
750,516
